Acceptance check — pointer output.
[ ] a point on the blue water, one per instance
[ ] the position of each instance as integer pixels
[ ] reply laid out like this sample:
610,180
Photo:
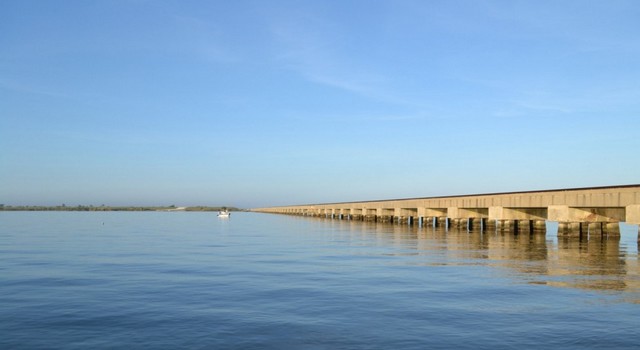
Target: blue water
161,280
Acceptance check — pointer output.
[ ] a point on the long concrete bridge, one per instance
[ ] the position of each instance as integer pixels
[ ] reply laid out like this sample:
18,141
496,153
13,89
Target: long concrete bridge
594,211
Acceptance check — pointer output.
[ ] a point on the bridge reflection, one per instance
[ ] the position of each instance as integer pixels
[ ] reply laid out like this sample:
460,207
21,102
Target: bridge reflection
603,265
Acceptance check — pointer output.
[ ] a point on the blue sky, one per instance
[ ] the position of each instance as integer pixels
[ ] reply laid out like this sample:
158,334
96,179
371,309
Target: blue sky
258,103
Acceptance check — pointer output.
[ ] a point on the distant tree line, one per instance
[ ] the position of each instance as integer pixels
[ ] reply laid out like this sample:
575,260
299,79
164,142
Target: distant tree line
202,208
64,207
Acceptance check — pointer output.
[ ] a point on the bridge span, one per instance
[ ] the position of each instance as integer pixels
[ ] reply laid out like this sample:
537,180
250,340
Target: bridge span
594,212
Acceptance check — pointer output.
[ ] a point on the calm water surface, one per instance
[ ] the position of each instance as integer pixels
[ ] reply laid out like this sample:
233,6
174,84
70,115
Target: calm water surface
257,281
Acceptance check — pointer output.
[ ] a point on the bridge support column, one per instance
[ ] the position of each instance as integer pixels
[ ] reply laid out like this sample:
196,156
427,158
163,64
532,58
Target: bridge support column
572,229
563,228
632,216
463,218
405,216
442,221
604,230
525,227
507,225
490,225
611,230
595,230
539,226
594,222
384,219
458,223
427,221
370,215
384,215
477,224
578,229
430,215
516,220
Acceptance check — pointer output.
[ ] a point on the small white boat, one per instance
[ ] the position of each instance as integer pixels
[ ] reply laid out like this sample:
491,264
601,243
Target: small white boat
224,214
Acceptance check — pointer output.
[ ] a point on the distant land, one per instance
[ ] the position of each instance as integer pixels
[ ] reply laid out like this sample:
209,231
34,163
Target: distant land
64,207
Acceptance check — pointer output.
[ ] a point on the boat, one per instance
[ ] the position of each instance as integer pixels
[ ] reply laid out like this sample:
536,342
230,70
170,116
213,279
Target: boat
224,214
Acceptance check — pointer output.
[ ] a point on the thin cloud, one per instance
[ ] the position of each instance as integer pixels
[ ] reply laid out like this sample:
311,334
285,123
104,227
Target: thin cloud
203,38
307,47
397,118
528,108
586,100
22,87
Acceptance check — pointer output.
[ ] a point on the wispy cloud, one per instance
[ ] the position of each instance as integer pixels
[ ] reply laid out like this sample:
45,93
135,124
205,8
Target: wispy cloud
576,29
28,88
205,39
399,118
559,103
360,118
520,109
309,46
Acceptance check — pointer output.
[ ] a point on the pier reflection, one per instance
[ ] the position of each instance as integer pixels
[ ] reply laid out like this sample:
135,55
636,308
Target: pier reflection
597,264
593,264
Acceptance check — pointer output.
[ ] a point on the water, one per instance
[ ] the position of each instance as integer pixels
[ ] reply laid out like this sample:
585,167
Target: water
163,280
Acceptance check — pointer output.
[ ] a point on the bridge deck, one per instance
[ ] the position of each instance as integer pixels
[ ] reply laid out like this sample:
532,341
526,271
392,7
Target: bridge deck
611,204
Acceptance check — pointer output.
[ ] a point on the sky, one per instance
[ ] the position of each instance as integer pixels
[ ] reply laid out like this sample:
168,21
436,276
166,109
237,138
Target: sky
265,103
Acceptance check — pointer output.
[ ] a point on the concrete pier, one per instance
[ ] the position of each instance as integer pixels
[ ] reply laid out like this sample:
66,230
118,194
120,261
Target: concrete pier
580,212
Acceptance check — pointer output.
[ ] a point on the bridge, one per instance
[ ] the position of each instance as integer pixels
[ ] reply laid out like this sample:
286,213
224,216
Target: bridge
594,212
